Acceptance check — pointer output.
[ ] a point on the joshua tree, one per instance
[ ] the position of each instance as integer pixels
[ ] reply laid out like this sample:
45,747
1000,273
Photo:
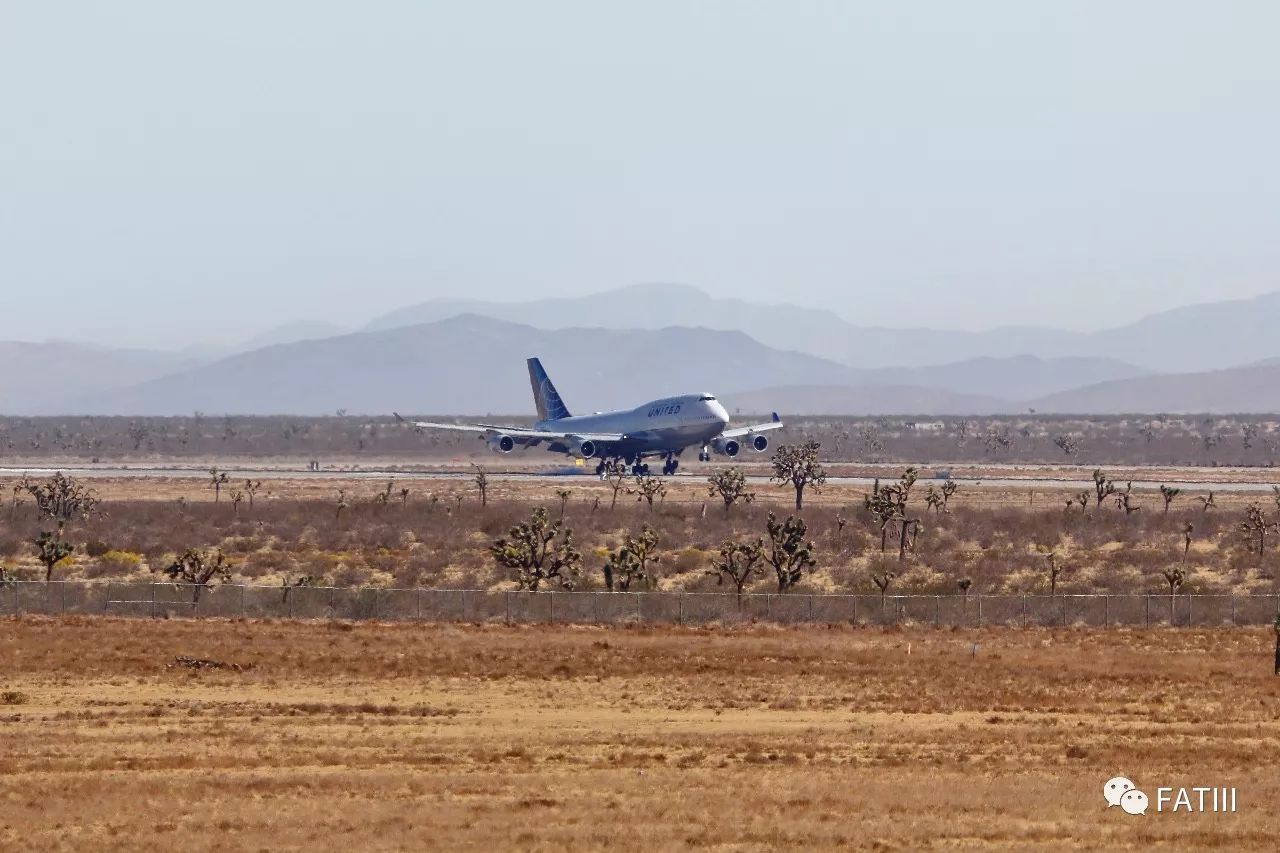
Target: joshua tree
731,486
615,474
883,504
482,484
1175,578
908,530
1187,530
949,489
648,487
383,498
341,505
199,569
287,586
1067,444
1248,432
882,580
539,550
251,488
237,498
217,479
789,552
1103,487
1206,502
51,550
404,496
563,495
737,561
997,440
631,562
964,585
1168,493
933,499
1124,500
1083,499
60,499
1055,569
798,464
1255,525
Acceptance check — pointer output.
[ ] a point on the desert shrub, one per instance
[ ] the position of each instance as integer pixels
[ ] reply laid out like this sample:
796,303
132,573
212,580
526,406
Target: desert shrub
113,564
96,548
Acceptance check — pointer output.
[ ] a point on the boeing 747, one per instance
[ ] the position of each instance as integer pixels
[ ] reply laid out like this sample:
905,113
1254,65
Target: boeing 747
660,428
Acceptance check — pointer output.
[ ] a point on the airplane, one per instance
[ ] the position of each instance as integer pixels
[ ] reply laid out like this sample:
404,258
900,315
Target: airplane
658,428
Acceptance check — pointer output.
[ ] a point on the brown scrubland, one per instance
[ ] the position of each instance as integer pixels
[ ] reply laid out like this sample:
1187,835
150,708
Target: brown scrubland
220,735
436,533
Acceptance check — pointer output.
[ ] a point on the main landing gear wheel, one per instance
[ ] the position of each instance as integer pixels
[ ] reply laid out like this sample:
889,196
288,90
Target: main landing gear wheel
670,466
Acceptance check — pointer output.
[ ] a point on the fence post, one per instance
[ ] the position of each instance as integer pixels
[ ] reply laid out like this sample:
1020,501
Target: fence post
979,610
241,601
1024,611
551,593
1189,621
508,594
1146,619
768,606
680,608
1106,611
1233,611
153,601
855,610
937,611
639,607
810,607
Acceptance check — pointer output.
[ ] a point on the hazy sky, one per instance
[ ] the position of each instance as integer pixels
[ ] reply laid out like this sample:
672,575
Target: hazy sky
172,169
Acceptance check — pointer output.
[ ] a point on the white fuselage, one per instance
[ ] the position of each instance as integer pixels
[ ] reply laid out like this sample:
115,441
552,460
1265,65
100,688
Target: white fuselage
669,424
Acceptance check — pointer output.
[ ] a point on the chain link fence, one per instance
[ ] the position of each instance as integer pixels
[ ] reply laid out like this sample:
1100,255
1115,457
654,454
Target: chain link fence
157,600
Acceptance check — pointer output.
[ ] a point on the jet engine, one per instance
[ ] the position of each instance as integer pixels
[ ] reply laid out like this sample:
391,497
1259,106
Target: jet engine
502,444
759,443
726,447
583,448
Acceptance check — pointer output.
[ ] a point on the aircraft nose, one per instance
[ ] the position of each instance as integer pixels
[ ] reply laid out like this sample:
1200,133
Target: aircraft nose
717,409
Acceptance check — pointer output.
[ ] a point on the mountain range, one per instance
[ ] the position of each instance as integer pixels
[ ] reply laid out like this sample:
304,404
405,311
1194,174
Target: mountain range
621,347
1209,336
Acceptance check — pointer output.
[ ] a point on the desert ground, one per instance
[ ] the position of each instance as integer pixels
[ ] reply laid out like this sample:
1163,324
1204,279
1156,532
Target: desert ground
370,736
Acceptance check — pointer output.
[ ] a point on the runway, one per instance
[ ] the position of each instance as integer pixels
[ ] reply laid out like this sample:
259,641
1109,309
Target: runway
301,474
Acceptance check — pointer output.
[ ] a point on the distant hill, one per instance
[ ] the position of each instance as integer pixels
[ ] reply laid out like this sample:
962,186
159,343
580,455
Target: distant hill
1012,378
1255,388
36,376
473,365
872,400
466,364
1209,336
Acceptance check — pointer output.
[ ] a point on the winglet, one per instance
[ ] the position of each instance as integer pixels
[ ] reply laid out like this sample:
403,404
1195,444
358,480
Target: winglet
776,419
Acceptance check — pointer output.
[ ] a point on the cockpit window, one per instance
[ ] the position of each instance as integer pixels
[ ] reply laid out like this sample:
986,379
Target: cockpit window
707,399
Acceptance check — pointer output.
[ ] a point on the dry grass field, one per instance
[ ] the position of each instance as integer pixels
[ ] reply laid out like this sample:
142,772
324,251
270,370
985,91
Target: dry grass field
367,737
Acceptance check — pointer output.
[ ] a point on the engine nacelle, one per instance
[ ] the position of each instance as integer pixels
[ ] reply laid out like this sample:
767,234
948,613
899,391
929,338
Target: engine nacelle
759,443
582,449
726,447
502,444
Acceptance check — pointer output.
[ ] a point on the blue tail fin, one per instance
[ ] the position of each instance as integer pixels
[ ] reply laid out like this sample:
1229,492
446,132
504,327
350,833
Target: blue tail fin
545,396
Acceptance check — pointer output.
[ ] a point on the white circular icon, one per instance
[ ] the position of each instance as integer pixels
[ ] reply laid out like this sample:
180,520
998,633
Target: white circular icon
1115,789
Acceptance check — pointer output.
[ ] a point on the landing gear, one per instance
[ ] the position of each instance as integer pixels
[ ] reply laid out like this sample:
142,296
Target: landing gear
704,455
639,469
600,469
671,466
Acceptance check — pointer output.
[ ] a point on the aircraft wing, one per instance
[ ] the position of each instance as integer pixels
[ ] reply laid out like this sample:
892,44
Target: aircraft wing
742,432
522,435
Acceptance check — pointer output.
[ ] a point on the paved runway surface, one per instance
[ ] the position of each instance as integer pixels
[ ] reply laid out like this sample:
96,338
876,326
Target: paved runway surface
279,473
